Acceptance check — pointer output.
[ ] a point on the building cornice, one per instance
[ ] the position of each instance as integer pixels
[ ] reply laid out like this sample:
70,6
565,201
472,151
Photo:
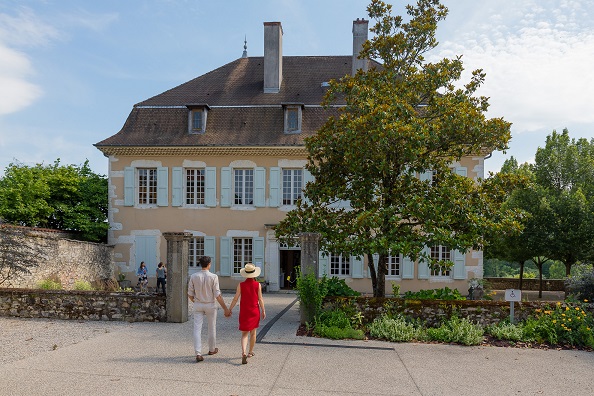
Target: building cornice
210,151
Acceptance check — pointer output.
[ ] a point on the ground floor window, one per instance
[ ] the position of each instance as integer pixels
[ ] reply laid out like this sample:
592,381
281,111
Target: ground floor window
196,250
393,263
340,265
440,253
242,253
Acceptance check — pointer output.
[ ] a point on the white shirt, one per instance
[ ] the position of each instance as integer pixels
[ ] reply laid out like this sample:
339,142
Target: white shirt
204,286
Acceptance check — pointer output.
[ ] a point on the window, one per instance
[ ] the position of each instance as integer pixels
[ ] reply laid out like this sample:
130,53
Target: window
197,117
243,186
440,253
147,186
292,185
242,253
196,250
393,265
293,117
195,184
197,120
340,265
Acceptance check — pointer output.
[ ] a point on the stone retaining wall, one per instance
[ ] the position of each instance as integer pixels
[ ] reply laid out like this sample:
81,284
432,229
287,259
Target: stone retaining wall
527,284
82,305
433,311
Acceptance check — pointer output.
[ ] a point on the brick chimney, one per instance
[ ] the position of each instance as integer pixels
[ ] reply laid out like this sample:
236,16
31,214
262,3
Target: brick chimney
273,57
360,31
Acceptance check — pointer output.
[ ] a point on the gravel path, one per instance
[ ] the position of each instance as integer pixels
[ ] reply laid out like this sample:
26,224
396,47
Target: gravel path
22,338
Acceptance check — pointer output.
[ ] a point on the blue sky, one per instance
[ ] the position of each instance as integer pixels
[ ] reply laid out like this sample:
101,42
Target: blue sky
71,70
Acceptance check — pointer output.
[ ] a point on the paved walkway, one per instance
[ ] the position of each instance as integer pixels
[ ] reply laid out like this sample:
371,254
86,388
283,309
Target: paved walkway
157,359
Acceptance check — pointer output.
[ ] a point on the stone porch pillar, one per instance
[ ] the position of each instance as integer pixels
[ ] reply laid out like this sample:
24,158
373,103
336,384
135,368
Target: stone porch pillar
177,276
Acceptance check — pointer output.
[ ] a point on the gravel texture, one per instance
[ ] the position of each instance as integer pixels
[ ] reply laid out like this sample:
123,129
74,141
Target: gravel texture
22,338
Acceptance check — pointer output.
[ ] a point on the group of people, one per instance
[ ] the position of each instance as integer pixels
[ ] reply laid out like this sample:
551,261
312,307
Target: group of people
203,291
142,274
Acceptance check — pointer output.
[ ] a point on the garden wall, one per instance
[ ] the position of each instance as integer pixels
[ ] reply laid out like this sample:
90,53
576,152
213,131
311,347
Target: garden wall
59,258
527,284
82,305
434,311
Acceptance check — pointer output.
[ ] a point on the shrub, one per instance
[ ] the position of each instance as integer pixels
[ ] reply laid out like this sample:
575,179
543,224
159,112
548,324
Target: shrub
311,293
336,287
82,285
337,333
49,284
395,329
581,286
335,318
506,331
435,294
395,289
457,330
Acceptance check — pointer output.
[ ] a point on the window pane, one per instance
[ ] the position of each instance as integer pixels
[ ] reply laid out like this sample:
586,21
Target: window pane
243,186
197,119
147,186
292,186
292,119
340,265
393,262
195,186
242,253
196,250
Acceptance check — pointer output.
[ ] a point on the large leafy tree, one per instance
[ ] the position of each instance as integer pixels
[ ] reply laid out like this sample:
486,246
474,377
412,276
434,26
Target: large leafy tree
65,197
401,119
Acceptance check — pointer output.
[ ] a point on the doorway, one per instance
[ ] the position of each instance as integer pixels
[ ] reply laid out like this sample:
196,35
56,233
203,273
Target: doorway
290,260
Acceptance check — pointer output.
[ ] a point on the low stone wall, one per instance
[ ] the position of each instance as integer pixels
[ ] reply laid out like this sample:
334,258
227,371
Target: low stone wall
82,305
527,284
434,311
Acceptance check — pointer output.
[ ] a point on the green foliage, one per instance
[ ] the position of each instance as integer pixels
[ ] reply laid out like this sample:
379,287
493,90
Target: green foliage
395,289
311,294
460,331
435,294
397,122
64,197
336,325
564,324
82,285
506,331
338,287
581,286
49,284
396,329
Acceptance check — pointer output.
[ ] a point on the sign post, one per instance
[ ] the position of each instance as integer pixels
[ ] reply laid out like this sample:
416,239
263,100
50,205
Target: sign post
512,295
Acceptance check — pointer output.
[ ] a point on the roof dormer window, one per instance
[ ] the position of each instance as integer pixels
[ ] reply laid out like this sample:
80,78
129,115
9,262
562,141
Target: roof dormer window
197,118
293,115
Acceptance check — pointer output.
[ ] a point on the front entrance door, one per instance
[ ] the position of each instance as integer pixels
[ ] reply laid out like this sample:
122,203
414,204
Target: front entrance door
290,260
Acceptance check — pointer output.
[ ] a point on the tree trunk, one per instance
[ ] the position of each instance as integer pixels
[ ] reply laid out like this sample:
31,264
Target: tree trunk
521,275
372,272
539,265
380,289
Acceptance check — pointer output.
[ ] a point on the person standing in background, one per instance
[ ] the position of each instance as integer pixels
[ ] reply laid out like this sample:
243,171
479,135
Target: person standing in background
161,277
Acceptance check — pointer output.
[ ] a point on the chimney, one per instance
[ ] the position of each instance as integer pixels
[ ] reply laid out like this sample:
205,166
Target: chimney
273,57
360,29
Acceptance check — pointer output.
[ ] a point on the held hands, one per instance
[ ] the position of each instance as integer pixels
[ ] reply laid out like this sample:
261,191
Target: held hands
227,313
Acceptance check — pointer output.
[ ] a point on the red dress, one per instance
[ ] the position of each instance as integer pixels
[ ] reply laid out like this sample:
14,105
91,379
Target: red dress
249,309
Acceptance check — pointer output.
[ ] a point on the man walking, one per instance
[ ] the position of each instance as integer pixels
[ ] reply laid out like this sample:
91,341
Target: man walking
203,290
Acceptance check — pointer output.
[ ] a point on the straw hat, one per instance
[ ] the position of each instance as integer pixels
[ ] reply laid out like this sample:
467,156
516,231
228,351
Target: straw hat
250,271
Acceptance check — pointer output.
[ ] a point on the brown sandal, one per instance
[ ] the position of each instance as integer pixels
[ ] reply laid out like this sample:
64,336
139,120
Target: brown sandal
213,352
251,354
243,359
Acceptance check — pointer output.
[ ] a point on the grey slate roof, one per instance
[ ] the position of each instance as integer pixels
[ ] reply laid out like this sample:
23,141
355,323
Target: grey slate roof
240,114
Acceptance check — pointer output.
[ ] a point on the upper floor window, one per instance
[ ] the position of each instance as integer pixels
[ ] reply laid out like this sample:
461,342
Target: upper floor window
195,185
293,113
243,186
147,186
242,253
292,186
440,253
340,265
196,250
197,117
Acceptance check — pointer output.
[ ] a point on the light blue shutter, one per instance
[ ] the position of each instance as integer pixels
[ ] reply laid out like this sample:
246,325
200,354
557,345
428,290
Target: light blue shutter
210,251
461,170
163,186
260,187
323,264
427,175
225,187
307,177
356,267
129,197
210,181
258,253
423,268
177,186
226,256
408,268
275,191
459,265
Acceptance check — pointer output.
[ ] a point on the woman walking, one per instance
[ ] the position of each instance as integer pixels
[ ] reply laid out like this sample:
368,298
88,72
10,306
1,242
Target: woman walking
251,308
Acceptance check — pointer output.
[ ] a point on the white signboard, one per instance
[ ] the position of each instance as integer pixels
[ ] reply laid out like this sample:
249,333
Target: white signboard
513,295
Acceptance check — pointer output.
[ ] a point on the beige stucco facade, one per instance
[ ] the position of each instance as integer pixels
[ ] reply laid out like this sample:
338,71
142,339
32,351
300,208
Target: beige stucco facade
137,230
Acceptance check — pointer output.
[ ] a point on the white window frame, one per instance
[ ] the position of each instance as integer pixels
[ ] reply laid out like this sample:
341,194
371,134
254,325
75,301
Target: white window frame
244,194
243,253
292,186
440,253
197,109
199,195
394,266
146,186
339,265
195,251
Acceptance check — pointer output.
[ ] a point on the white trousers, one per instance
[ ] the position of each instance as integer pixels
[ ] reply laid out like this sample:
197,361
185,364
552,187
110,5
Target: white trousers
200,311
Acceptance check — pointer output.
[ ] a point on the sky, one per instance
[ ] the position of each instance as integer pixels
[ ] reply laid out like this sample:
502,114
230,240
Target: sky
71,70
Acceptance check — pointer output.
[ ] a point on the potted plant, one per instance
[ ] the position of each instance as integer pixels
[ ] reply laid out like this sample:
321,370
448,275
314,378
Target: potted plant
123,282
